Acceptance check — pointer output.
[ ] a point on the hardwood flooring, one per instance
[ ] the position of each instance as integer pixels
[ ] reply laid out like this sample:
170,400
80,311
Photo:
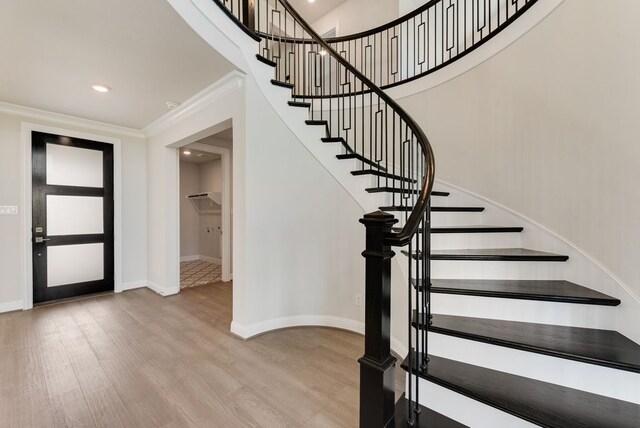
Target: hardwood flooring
140,360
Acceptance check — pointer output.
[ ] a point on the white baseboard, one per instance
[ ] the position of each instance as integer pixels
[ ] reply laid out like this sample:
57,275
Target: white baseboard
133,285
18,305
211,259
195,257
161,290
252,330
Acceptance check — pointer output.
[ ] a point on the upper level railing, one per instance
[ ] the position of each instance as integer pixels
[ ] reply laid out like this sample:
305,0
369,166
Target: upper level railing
372,128
427,39
412,46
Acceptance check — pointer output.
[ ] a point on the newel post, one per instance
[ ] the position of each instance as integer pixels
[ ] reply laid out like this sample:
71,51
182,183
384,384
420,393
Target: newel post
377,400
249,13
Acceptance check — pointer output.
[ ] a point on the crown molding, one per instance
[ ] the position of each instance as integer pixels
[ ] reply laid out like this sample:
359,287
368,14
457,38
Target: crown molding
67,120
230,82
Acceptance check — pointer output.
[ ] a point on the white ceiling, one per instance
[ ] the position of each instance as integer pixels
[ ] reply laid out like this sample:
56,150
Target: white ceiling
52,52
313,11
197,156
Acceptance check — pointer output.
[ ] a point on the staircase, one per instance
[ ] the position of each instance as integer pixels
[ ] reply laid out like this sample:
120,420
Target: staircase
497,337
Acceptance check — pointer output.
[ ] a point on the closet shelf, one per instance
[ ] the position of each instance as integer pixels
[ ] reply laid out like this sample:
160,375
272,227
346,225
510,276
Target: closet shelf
206,203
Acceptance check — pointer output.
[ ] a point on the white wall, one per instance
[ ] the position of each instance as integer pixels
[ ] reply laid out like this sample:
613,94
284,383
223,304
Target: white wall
133,200
549,128
354,16
406,6
189,218
211,224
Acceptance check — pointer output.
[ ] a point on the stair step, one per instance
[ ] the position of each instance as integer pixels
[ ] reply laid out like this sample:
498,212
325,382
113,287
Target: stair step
282,84
434,209
401,190
299,104
361,159
538,402
266,60
427,418
493,254
471,229
606,348
334,140
383,175
317,122
544,290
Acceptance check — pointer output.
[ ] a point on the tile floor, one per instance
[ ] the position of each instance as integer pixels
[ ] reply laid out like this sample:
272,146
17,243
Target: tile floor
199,272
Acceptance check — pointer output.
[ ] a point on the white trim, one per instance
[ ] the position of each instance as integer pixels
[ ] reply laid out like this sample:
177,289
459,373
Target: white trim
12,306
249,331
155,287
226,204
66,120
26,201
230,82
133,285
253,330
565,241
211,259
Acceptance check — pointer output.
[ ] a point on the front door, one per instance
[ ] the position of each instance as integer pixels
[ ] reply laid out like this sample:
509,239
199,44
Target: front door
72,217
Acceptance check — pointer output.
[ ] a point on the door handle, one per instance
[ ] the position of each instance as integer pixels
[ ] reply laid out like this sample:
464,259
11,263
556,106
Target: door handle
40,239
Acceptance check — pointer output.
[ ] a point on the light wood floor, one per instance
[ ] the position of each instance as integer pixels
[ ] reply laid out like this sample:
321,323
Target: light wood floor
137,359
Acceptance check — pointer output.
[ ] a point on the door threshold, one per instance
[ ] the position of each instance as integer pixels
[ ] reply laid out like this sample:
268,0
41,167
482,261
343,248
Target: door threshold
73,299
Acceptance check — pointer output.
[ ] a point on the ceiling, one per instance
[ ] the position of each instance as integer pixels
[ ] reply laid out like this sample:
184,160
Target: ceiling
52,52
226,135
313,11
197,156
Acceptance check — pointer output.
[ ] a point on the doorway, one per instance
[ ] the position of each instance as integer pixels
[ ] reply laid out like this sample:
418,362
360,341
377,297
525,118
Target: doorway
205,182
72,217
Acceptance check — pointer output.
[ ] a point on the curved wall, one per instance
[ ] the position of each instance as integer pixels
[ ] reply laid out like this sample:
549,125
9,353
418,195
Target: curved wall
549,128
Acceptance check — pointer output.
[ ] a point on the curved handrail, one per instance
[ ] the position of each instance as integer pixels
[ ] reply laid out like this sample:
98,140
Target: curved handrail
411,225
425,40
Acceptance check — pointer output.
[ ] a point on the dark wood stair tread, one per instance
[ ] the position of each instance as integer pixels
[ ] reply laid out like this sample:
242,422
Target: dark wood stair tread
493,254
384,175
317,122
361,159
473,229
538,402
434,209
282,84
299,104
266,60
544,290
387,189
606,348
427,418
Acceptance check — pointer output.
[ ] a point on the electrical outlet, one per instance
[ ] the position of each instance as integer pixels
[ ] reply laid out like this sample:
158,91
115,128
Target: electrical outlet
8,210
358,299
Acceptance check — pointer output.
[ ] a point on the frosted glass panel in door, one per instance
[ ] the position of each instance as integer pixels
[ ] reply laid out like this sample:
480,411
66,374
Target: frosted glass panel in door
71,264
72,166
74,215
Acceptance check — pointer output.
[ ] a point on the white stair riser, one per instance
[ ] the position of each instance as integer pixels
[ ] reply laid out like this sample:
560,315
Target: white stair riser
455,218
596,379
451,241
465,410
540,312
454,269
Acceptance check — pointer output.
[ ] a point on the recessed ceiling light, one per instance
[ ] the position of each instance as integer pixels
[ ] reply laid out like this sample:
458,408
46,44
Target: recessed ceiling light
186,152
101,88
311,1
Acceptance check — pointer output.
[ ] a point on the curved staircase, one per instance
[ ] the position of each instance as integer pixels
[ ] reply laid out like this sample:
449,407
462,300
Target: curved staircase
497,334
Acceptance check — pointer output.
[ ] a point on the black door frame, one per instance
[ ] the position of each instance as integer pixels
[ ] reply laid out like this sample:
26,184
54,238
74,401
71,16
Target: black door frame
42,293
